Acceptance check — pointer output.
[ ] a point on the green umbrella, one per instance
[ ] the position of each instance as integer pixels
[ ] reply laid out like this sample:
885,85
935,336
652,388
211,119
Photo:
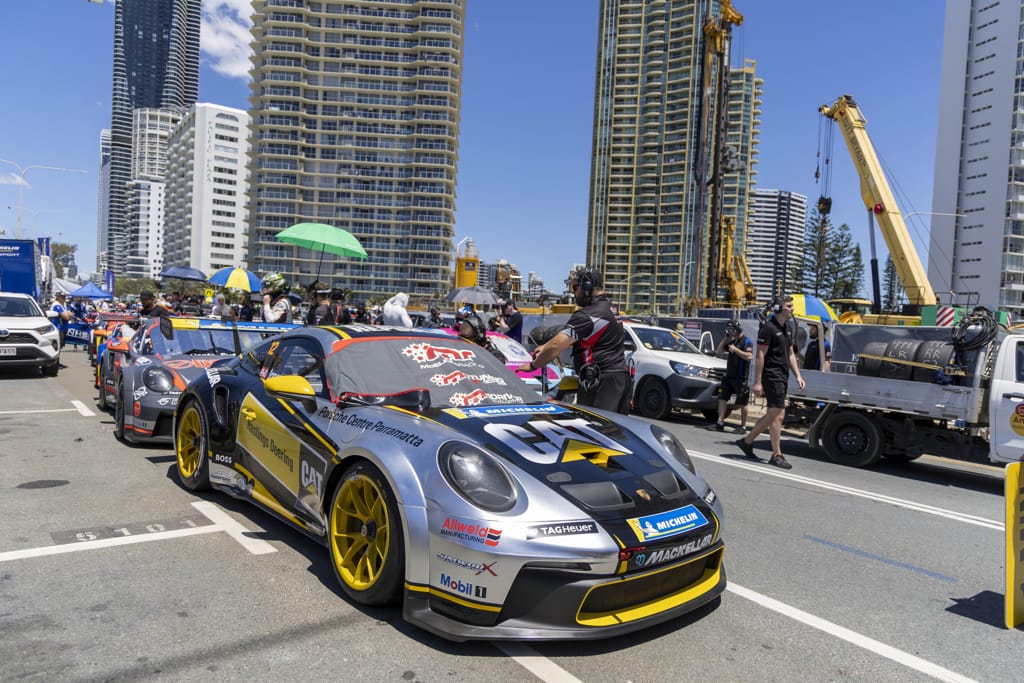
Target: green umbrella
323,238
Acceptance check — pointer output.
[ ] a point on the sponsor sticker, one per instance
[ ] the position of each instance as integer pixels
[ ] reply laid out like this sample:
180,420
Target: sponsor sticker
478,567
463,587
471,532
561,529
490,411
653,558
1017,420
666,524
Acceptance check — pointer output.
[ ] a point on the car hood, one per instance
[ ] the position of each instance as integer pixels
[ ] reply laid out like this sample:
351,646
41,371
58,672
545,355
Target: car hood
616,471
22,323
183,368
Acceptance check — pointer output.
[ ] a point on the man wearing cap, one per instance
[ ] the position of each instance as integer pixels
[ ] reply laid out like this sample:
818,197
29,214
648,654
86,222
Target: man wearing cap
148,307
736,382
64,314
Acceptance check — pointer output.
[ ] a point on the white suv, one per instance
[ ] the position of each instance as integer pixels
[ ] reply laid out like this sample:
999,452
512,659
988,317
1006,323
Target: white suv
27,337
670,372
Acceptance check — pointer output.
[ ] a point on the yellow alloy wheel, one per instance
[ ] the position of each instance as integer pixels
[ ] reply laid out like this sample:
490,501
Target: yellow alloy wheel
189,444
365,537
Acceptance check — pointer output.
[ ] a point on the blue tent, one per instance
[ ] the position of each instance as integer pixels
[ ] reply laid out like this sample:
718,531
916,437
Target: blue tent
90,291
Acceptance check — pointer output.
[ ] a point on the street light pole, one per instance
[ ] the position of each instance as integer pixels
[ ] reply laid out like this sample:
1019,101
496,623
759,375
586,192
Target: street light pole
22,170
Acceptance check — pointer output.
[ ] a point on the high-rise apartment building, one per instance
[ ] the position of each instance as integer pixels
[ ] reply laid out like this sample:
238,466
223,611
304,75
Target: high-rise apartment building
647,202
151,130
976,247
156,65
207,185
745,90
355,120
102,204
775,239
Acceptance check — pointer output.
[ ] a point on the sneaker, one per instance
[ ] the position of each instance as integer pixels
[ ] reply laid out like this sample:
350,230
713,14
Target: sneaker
780,461
720,426
748,449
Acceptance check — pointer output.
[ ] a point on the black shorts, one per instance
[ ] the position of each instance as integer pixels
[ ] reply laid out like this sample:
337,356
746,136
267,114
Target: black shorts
774,393
734,386
613,393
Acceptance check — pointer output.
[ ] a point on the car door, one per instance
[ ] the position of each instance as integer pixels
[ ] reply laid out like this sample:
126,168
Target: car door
279,446
1006,402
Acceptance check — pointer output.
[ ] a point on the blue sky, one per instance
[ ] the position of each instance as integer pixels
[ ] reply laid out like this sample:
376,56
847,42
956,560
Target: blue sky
527,111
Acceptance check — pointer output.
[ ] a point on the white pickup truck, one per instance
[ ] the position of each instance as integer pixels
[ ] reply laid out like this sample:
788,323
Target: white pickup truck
899,392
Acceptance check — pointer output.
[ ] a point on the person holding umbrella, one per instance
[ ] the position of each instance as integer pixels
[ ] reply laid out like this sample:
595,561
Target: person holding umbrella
277,308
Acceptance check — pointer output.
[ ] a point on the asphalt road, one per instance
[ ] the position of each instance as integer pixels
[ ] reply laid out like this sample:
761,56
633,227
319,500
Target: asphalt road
110,570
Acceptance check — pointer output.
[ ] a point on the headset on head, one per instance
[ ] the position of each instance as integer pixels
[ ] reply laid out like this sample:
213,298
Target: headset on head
586,280
477,323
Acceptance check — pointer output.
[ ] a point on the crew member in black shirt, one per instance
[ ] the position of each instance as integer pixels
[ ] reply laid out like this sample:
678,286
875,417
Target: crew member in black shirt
773,360
597,342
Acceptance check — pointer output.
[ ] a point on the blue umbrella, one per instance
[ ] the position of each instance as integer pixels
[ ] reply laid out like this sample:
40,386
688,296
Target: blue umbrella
183,273
237,278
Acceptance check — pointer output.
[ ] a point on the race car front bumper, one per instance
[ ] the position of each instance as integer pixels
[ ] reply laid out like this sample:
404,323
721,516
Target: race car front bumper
556,605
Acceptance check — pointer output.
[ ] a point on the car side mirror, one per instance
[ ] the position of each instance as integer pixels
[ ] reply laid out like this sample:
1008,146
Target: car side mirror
292,388
51,314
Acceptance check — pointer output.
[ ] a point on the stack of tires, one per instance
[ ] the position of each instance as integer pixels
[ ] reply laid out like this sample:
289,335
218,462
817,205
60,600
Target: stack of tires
937,354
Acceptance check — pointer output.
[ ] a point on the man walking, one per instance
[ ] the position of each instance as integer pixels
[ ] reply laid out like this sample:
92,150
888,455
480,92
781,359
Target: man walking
774,359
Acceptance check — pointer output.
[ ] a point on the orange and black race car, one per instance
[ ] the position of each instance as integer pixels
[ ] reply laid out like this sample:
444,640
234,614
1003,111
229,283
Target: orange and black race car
142,375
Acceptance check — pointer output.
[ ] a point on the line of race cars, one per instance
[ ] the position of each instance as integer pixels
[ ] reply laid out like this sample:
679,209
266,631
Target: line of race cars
435,477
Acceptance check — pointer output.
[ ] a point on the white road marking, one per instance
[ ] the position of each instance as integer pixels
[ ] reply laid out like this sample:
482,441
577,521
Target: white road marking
82,409
221,519
862,641
860,493
540,666
29,412
106,543
221,522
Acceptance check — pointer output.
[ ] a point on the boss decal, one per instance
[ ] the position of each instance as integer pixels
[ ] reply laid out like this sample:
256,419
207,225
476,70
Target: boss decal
666,524
473,533
652,558
561,529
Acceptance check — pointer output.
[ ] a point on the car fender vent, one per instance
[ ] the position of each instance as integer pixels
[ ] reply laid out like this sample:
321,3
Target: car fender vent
599,495
666,483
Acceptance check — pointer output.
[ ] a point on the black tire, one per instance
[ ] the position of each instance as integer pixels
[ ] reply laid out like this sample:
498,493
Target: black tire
365,540
191,447
711,415
652,399
119,414
52,369
852,438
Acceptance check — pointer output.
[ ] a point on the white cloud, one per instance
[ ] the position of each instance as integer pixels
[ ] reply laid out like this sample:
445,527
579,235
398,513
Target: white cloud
224,36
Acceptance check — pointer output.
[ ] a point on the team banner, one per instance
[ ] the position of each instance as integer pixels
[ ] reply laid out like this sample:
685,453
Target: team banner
1014,546
78,333
110,281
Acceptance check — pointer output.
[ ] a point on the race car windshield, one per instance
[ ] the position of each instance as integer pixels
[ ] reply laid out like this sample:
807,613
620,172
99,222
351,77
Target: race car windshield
199,342
664,340
456,372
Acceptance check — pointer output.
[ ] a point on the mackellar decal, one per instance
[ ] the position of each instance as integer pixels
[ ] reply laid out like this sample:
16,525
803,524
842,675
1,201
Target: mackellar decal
653,558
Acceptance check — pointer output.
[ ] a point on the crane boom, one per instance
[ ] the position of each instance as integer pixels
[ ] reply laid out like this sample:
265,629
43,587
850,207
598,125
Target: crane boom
879,200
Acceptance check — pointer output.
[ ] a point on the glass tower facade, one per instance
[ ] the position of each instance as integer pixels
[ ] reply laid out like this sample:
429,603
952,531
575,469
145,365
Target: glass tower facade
156,65
355,120
646,197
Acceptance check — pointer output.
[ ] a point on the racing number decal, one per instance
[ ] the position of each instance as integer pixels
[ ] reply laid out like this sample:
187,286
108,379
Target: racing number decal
269,442
549,441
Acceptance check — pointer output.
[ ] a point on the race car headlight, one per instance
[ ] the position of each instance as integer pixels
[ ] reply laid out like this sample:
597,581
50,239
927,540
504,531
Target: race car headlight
45,329
671,444
687,370
476,476
159,380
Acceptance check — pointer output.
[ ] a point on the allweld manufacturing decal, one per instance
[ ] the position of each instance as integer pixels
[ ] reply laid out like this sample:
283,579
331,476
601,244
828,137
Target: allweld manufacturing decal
665,524
474,533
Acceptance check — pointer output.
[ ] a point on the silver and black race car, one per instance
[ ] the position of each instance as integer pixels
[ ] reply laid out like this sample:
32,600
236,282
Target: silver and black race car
141,376
436,478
